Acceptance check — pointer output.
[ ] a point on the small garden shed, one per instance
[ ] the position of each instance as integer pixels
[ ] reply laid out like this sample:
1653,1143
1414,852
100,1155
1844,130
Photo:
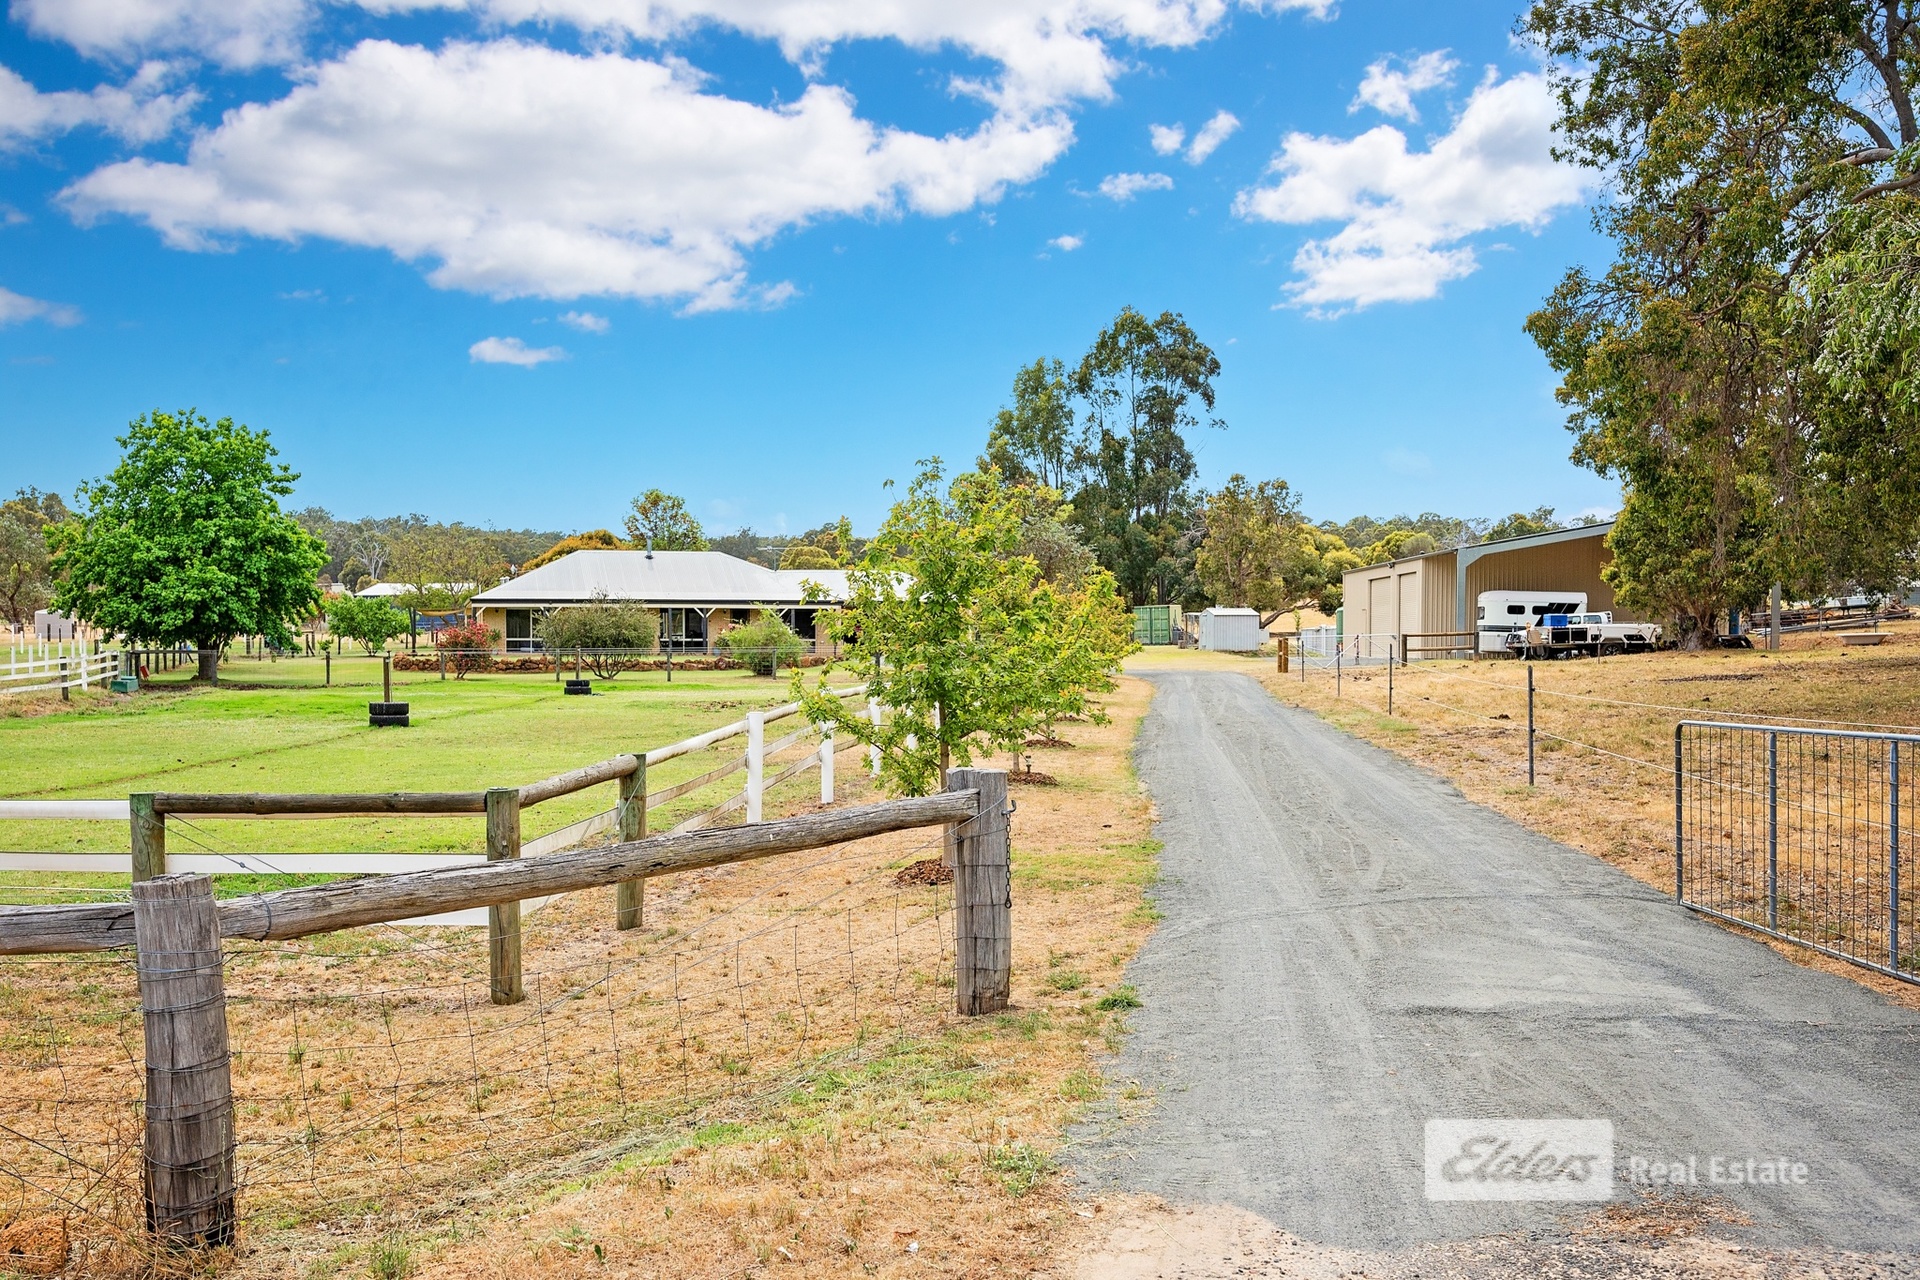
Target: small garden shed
1230,630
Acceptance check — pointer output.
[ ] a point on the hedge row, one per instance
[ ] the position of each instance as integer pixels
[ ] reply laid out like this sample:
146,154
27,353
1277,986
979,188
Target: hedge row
544,662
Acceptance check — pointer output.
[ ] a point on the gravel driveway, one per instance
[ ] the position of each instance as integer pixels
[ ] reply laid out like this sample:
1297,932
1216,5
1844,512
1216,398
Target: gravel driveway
1351,948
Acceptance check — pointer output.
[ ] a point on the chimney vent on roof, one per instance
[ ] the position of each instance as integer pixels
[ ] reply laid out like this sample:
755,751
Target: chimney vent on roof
649,546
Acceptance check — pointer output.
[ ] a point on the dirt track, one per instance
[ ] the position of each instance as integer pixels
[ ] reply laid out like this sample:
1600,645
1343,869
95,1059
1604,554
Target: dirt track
1351,948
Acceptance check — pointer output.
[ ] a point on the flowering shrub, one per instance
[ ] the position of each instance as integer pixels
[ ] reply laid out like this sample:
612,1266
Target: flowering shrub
466,646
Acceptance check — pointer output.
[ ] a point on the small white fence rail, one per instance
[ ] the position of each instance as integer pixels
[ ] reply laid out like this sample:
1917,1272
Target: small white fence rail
58,665
755,762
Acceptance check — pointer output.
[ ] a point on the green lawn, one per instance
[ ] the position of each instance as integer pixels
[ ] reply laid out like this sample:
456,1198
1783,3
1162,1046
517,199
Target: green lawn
485,731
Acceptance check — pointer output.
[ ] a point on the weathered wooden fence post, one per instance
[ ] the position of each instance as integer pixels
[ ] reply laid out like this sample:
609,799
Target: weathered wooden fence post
503,921
982,896
189,1106
630,896
149,831
756,762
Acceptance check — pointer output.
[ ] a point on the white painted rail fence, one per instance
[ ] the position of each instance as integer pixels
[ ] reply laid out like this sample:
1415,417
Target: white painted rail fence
42,667
753,762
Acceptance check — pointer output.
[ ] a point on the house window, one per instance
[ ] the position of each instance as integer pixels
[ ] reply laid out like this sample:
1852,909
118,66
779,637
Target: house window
520,637
683,630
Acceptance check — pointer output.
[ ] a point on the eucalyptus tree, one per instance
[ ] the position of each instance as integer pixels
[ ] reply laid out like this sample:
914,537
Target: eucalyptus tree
1743,367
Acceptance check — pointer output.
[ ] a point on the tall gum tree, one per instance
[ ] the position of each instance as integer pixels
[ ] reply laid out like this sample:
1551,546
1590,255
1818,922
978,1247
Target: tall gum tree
1743,367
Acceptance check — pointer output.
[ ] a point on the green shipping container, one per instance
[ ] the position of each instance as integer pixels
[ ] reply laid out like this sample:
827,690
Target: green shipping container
1153,624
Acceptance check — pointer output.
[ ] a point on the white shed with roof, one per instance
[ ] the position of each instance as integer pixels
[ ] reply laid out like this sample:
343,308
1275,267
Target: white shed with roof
1230,630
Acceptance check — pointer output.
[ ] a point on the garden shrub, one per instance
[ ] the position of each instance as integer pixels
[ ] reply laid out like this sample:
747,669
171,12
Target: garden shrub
763,645
467,646
604,631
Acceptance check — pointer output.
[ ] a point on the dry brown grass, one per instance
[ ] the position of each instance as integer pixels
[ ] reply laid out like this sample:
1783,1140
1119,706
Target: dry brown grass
768,1074
1467,722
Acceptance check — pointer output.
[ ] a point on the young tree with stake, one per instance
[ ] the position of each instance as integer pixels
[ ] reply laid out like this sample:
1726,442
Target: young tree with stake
953,630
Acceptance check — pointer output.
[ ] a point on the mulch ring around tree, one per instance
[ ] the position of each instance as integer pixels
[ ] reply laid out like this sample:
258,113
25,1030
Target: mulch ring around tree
1032,777
925,871
1051,744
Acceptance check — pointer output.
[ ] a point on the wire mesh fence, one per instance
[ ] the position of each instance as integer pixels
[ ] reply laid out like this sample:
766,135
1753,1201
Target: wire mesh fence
1800,833
374,1082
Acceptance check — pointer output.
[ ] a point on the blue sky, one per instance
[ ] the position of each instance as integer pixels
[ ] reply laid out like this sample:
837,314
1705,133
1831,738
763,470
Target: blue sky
513,261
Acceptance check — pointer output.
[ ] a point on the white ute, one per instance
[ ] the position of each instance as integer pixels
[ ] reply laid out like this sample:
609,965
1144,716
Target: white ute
1574,635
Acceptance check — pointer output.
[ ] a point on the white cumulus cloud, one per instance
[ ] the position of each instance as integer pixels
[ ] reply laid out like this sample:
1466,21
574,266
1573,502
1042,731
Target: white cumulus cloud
586,321
1066,244
17,308
1408,215
522,170
1167,138
1390,91
237,33
137,111
1125,186
1211,135
1048,50
512,351
566,150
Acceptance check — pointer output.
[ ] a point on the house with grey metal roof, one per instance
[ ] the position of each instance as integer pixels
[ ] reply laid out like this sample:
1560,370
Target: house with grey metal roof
699,594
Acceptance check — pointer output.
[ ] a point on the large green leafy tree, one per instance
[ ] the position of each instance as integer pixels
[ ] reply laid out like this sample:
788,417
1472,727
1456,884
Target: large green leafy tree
956,632
1252,545
1112,434
1033,439
185,542
26,561
1741,367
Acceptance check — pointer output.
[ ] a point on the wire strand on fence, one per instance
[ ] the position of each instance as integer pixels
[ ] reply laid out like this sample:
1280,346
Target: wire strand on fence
416,1104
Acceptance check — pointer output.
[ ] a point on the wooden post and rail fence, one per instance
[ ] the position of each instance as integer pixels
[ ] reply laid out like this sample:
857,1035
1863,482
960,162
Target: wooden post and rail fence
176,926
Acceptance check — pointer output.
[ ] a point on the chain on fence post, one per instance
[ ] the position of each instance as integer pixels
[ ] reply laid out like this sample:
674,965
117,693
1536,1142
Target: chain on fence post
1529,724
189,1139
503,921
1389,676
630,896
1339,646
982,896
1773,831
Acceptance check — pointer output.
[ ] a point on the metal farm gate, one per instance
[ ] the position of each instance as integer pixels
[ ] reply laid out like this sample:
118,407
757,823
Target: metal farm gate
1803,834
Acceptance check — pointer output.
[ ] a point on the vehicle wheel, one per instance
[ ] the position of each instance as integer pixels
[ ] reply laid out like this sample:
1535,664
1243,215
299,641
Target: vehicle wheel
1612,648
385,722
